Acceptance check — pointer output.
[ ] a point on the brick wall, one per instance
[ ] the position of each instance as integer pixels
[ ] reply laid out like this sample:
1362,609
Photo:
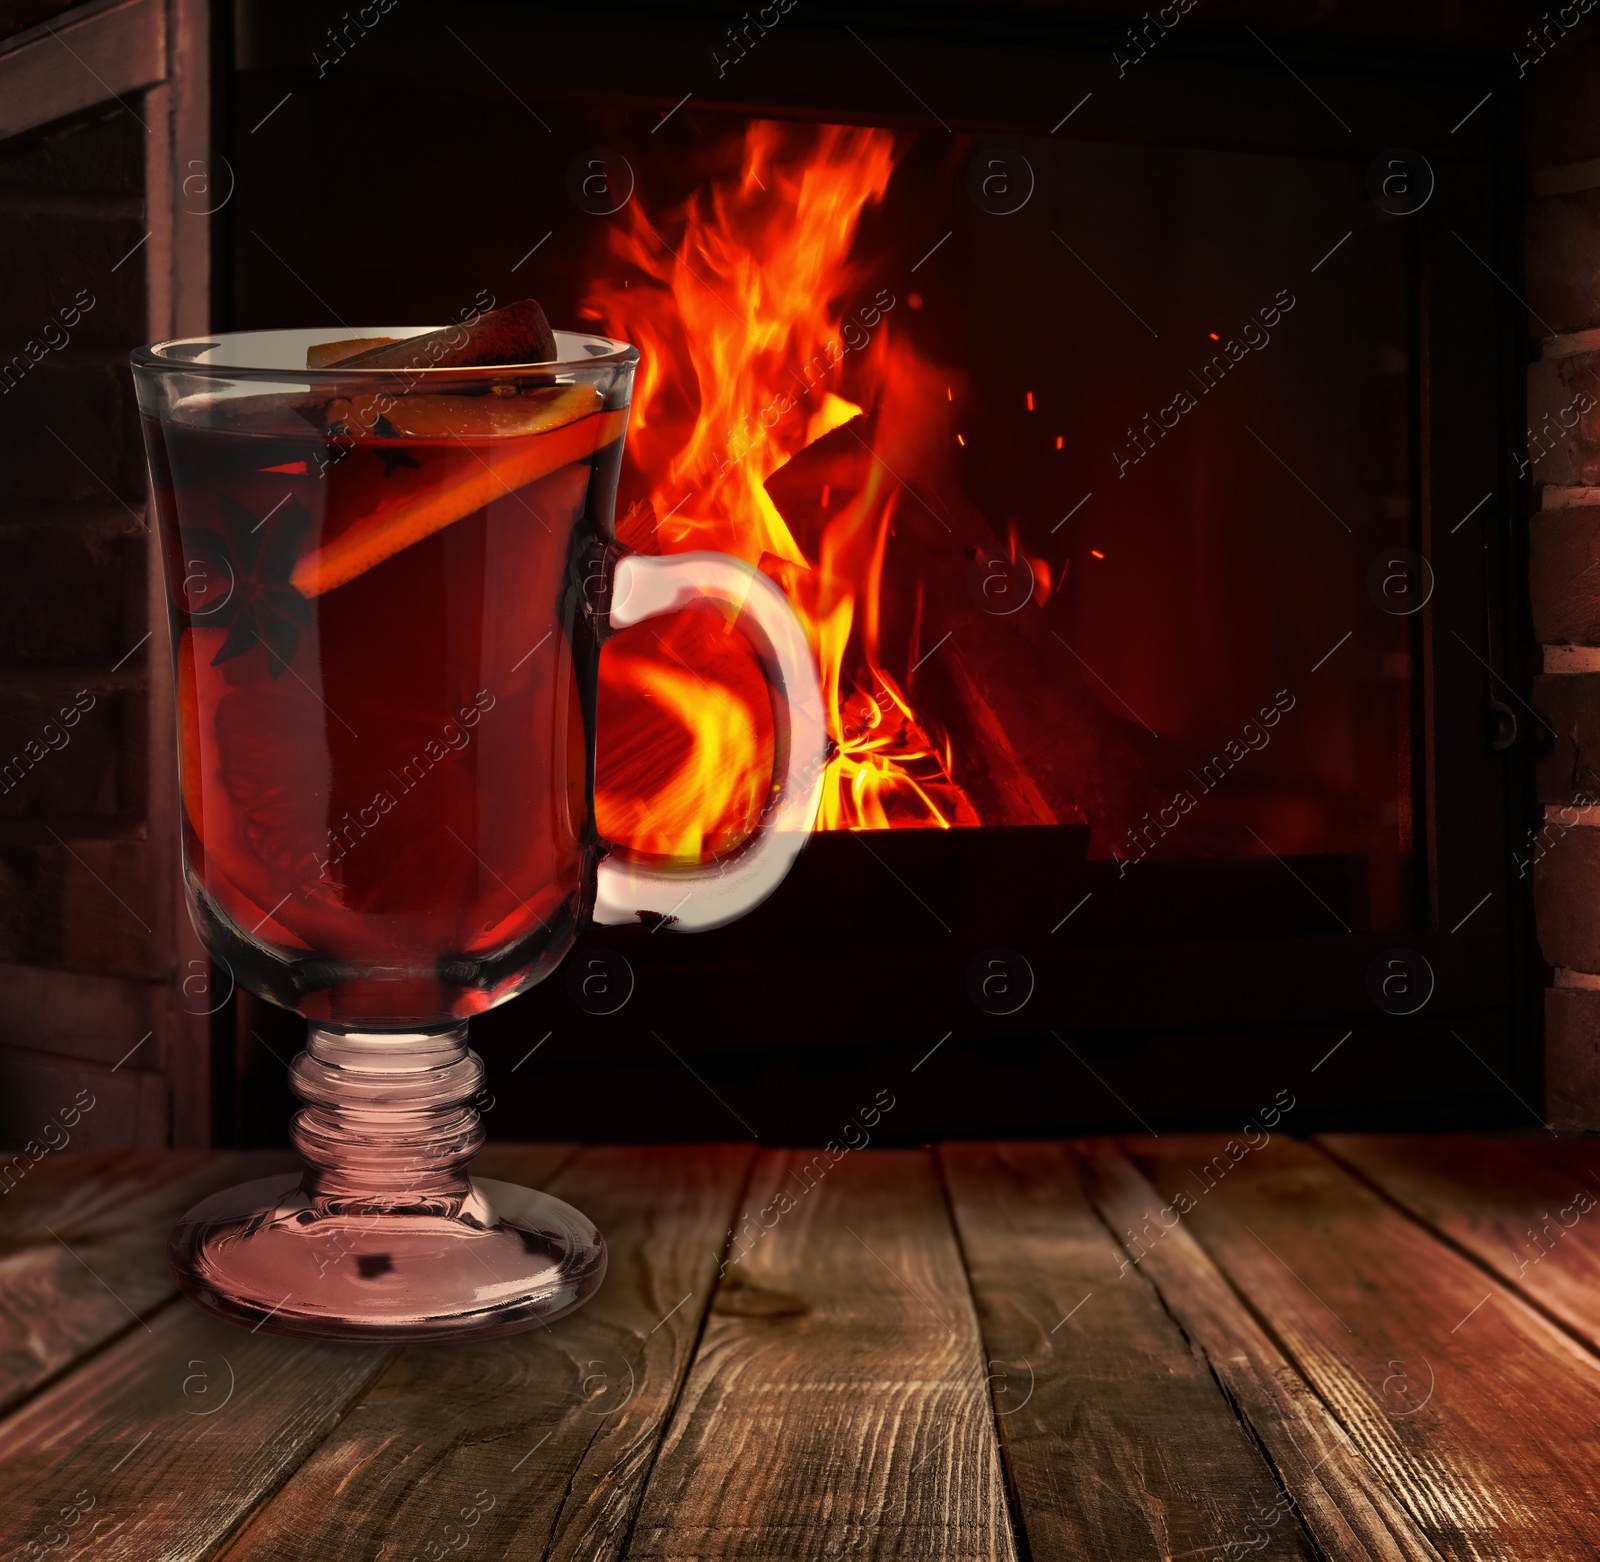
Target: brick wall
104,118
1562,271
81,975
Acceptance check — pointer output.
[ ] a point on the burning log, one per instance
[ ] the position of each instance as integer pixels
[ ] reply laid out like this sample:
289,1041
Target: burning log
755,355
1025,749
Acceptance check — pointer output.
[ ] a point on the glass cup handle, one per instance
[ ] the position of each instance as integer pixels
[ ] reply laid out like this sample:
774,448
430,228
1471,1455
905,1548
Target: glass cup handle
711,894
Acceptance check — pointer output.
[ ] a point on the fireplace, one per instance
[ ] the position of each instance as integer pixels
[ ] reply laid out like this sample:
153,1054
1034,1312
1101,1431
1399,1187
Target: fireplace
1131,417
1138,466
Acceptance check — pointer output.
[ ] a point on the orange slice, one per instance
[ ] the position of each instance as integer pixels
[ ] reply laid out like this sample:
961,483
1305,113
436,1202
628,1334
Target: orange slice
325,354
409,518
464,417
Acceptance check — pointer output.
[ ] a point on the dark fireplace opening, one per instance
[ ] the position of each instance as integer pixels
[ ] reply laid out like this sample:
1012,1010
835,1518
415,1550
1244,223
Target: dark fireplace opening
1128,464
1067,599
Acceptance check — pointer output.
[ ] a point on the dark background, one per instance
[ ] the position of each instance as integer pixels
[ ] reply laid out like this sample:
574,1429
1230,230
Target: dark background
414,170
419,167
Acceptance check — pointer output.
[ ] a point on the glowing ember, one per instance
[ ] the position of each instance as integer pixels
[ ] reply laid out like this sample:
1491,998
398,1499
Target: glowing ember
752,320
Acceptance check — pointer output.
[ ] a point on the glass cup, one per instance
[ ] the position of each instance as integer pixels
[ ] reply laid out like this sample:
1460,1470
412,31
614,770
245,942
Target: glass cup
388,590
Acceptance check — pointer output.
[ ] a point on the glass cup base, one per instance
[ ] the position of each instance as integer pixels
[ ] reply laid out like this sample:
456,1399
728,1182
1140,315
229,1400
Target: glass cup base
501,1260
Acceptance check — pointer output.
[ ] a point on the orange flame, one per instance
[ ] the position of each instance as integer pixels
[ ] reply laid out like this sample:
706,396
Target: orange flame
750,321
718,767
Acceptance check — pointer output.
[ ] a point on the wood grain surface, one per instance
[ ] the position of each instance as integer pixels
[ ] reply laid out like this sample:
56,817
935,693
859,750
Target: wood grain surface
838,1401
102,1270
537,1445
179,1429
1530,1215
63,1190
1333,1351
172,1436
1343,1502
1118,1442
1474,1408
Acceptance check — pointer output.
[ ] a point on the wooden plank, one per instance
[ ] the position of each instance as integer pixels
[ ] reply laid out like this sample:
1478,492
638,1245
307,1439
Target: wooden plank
1530,1215
63,1190
1117,1440
60,1193
1474,1407
1576,1157
85,1284
1348,1509
179,1430
1573,1154
173,1435
537,1445
838,1398
95,1264
89,56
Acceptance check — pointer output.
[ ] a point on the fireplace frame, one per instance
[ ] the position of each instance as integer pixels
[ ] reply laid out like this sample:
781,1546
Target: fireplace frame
772,986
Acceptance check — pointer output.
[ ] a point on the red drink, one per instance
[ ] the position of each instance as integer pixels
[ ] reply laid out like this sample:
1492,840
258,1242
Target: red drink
386,606
385,683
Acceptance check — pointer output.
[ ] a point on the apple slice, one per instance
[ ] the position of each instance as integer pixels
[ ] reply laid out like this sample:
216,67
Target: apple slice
501,468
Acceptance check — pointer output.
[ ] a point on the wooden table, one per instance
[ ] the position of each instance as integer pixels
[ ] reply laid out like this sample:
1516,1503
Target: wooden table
1383,1347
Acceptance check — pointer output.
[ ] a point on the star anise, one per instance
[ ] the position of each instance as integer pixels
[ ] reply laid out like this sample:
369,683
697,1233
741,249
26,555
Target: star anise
256,558
393,460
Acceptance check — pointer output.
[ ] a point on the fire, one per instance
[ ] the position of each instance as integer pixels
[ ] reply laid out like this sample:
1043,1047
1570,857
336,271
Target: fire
719,767
759,338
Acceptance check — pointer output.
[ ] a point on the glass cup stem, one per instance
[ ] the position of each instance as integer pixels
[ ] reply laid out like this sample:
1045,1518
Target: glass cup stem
384,1237
388,1122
